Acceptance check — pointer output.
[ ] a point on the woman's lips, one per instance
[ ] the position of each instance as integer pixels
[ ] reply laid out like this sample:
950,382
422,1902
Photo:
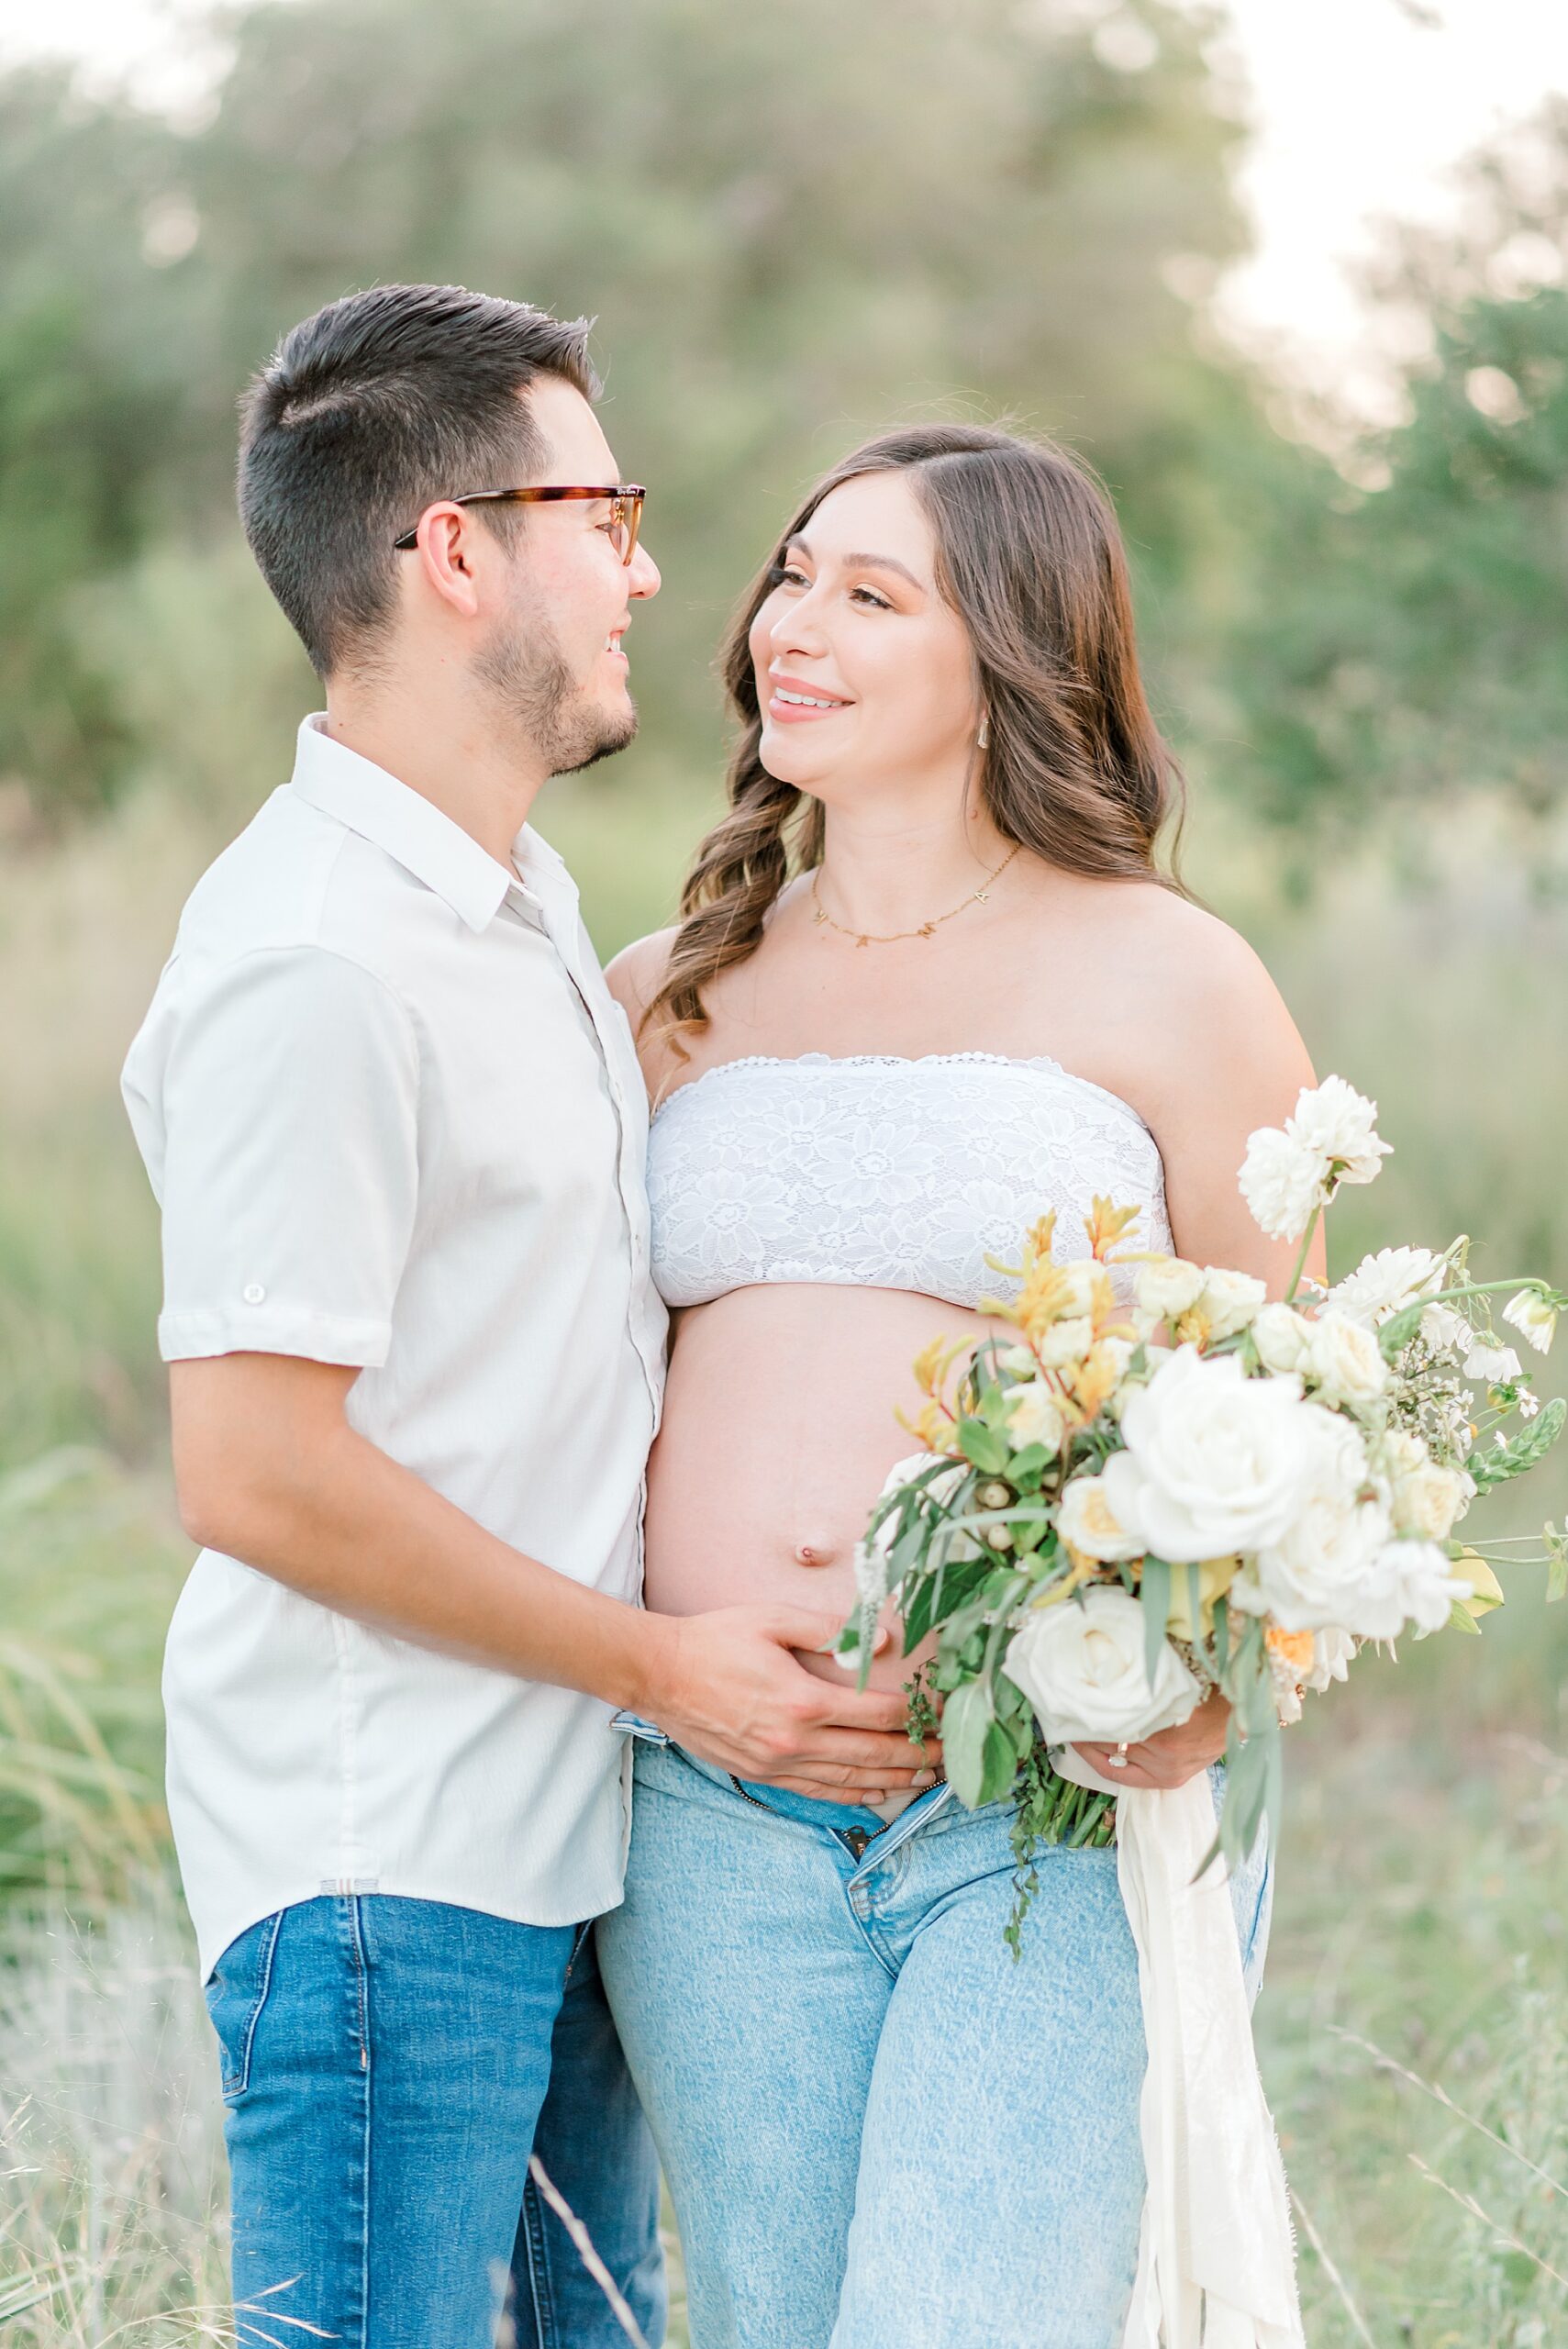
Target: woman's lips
792,713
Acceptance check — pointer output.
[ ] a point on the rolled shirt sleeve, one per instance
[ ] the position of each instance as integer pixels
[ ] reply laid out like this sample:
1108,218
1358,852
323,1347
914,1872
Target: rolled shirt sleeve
288,1108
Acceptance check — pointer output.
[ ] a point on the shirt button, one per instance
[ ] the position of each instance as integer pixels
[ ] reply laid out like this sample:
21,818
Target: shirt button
253,1293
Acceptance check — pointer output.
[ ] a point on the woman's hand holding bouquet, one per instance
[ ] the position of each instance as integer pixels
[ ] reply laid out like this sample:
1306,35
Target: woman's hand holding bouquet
1172,1494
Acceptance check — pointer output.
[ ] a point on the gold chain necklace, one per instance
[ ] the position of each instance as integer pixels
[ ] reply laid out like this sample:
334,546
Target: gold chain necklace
871,938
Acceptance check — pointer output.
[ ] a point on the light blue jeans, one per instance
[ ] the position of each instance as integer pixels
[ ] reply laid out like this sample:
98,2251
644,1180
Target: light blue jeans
388,2065
879,2130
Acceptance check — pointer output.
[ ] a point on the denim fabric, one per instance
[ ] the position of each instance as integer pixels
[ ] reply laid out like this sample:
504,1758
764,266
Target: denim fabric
388,2065
877,2129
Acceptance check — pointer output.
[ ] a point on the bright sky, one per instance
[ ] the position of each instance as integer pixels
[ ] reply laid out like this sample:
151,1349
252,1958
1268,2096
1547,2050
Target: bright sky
1361,107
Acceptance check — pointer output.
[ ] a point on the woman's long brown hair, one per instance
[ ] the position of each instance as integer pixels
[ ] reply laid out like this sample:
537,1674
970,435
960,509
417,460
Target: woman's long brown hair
1028,555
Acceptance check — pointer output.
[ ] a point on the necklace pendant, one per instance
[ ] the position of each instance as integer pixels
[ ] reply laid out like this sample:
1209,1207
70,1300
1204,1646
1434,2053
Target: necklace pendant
819,917
924,929
862,942
980,897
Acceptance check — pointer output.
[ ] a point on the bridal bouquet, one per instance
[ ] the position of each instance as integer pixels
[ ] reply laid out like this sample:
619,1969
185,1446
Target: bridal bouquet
1169,1485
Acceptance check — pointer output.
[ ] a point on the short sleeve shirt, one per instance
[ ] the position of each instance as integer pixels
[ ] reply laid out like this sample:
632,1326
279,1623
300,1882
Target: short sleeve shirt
394,1121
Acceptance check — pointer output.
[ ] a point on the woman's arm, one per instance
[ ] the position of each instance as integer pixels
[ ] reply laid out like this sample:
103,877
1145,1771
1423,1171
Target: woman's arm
1231,1060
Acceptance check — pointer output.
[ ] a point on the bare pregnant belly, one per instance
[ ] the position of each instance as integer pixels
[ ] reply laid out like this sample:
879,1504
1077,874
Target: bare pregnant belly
778,1432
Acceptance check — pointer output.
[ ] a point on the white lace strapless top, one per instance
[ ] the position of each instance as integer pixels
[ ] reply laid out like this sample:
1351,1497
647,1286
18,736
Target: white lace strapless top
886,1173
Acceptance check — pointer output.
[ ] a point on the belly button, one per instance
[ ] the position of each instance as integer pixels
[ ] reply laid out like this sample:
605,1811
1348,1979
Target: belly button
806,1556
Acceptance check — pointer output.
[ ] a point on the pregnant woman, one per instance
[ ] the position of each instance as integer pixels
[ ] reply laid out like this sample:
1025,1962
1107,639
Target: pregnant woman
929,980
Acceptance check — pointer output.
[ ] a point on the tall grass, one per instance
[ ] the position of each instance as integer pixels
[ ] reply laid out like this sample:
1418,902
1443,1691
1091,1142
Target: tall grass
1420,1940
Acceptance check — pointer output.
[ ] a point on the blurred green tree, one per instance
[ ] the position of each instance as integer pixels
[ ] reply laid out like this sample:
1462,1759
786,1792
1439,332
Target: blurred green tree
1409,638
792,227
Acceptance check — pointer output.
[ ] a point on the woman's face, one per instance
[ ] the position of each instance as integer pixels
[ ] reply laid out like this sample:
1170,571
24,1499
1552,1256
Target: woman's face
865,676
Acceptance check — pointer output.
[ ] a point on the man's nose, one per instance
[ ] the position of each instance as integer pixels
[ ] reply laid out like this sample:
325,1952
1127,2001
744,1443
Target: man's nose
645,575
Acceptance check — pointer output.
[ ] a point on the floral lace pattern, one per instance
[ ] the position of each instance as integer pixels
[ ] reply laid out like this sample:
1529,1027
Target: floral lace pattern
886,1173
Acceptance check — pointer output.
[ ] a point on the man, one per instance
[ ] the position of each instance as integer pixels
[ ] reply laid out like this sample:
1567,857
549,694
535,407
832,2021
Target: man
396,1128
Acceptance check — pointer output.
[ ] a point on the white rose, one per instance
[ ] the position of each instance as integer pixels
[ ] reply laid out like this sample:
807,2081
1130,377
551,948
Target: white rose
1087,1521
1281,1334
1213,1459
1344,1360
1405,1582
1229,1300
1382,1284
1493,1363
1301,1578
1034,1415
1081,1664
1019,1362
1338,1122
1167,1287
1281,1182
1533,1318
1065,1342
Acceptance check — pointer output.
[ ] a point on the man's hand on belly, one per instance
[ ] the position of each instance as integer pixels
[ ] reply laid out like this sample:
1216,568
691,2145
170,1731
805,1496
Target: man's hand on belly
726,1686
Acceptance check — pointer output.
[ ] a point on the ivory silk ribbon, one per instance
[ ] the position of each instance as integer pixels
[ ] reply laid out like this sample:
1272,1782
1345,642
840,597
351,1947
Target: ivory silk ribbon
1216,2254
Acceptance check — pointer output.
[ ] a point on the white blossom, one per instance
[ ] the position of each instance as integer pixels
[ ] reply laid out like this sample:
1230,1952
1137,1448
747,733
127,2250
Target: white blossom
1085,1520
1281,1182
1382,1285
1533,1318
1082,1665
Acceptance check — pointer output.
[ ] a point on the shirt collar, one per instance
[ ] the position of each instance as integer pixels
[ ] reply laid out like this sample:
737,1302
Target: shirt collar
410,828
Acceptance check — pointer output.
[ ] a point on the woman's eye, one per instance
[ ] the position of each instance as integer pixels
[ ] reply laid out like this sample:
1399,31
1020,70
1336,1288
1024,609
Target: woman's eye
784,574
874,602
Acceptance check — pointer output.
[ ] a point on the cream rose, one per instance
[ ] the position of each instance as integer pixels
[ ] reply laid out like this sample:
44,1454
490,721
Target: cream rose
1427,1500
1343,1360
1167,1288
1035,1415
1229,1300
1088,1524
1280,1335
1215,1460
1081,1664
1065,1342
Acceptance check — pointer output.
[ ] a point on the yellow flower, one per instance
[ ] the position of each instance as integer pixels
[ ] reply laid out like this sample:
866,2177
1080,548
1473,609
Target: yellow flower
1106,1225
1095,1380
1214,1577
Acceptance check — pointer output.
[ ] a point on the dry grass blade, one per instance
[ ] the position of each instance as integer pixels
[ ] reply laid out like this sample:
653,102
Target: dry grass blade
1332,2273
1441,2095
1468,2202
590,2257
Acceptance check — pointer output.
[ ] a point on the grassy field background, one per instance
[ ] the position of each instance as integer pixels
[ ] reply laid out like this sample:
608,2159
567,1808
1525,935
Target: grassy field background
1414,2024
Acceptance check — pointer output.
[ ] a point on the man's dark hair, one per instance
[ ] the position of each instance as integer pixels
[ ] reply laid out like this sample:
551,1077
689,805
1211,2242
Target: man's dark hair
367,413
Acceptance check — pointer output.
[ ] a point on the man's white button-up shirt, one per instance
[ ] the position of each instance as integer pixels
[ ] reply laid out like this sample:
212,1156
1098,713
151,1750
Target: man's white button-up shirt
393,1119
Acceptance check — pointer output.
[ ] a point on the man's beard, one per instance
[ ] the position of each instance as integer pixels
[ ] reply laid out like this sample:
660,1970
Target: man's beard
543,705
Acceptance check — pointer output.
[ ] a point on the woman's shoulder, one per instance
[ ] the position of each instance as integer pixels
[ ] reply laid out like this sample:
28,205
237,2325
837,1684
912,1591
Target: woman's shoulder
635,975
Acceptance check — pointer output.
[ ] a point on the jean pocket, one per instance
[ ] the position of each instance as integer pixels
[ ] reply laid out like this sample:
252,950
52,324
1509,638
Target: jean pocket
236,1993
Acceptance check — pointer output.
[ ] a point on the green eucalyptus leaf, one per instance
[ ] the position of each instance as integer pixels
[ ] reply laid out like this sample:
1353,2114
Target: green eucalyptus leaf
967,1720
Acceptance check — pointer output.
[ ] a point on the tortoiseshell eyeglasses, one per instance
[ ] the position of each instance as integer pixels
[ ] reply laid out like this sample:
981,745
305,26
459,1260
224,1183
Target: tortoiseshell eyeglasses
625,502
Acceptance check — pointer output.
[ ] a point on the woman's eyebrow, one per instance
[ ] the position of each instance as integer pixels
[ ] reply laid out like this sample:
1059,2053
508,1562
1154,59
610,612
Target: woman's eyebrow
867,561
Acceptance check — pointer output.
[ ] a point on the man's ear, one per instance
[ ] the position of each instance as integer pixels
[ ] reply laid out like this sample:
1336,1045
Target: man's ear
444,551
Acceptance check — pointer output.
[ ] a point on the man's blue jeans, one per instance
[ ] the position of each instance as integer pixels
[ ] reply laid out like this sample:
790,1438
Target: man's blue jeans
388,2066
